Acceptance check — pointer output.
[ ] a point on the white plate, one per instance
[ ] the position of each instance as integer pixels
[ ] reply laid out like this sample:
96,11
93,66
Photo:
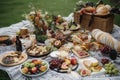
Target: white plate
54,54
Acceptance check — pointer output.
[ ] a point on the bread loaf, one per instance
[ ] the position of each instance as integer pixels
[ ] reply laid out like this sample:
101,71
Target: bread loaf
106,38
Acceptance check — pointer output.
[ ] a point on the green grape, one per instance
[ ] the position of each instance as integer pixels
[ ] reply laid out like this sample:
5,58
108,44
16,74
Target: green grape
112,65
109,63
106,65
116,69
107,71
116,73
110,71
106,68
110,68
113,71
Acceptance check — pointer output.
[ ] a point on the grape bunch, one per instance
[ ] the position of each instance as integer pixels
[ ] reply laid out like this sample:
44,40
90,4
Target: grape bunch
104,61
111,69
105,50
56,63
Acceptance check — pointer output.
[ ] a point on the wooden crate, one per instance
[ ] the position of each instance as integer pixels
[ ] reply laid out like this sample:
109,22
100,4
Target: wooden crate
105,23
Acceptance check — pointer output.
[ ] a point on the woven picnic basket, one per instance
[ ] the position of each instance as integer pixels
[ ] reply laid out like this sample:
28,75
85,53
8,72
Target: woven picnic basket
90,22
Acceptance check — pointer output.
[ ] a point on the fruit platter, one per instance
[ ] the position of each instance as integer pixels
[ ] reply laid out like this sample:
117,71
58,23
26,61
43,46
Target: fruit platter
34,67
64,65
12,58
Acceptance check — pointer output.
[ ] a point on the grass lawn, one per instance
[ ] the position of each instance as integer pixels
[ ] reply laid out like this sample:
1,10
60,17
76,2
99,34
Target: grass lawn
11,10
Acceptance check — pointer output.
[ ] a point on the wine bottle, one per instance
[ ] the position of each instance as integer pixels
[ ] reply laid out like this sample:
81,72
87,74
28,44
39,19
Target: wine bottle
113,54
18,44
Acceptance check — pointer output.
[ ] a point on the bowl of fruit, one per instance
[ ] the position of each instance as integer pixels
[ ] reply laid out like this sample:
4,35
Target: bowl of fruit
34,67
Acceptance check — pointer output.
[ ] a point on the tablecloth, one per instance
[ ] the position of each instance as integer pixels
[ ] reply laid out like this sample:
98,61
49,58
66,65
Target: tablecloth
14,72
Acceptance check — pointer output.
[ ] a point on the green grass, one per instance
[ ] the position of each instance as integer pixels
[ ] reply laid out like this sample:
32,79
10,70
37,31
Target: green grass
11,10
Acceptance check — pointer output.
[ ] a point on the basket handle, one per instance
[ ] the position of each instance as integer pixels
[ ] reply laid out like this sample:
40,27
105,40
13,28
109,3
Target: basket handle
91,20
81,17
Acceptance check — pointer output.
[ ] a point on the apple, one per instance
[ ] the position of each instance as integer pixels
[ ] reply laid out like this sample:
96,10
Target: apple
34,70
43,63
43,68
24,70
27,64
37,62
34,60
73,61
67,61
32,65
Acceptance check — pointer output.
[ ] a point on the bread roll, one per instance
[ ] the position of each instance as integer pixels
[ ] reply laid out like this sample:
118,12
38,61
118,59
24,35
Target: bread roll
102,10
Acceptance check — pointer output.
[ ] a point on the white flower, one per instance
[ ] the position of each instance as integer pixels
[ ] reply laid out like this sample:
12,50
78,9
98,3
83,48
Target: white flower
32,12
59,15
46,13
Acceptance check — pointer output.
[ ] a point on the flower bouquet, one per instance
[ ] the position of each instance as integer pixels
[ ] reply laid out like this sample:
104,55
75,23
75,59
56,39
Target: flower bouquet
44,24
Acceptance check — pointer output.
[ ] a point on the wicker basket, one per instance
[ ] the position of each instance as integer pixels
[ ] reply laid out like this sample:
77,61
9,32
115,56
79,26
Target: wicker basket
90,22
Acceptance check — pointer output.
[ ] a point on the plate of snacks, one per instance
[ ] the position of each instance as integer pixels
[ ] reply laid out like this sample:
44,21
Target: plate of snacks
34,67
12,58
38,50
81,53
63,65
92,65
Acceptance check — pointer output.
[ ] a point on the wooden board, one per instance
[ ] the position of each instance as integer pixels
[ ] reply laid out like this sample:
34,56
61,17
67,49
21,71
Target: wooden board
13,64
75,52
